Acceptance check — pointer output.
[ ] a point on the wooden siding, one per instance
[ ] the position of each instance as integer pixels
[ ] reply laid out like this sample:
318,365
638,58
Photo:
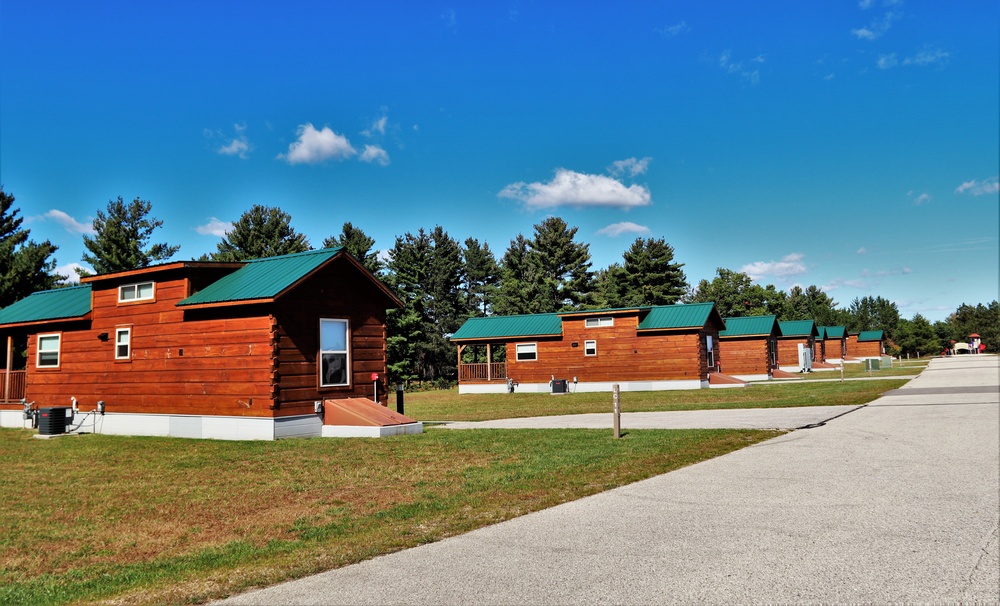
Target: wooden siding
834,348
622,354
866,349
788,350
744,356
819,351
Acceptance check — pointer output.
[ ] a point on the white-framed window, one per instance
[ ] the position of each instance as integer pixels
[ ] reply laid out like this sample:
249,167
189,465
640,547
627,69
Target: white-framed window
590,348
526,352
123,343
48,351
710,351
599,322
141,291
334,353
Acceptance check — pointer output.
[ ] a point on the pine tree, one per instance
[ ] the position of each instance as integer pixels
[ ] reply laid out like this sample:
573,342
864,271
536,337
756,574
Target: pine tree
874,313
260,232
651,276
481,274
359,245
611,287
564,275
121,236
735,295
520,289
25,265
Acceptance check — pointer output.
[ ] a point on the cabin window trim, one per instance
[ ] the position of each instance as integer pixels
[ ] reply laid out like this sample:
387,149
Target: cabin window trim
709,351
57,337
140,291
526,352
332,349
600,322
127,344
590,348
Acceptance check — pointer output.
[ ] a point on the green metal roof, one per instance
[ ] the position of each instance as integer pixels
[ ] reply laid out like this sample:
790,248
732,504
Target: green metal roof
821,332
797,328
495,327
749,326
597,312
262,278
46,305
835,332
689,315
870,335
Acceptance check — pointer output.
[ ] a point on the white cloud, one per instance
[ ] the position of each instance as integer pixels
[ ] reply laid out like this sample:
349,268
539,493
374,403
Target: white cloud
625,227
630,166
315,146
865,4
922,199
877,27
374,153
928,57
377,127
736,67
790,265
673,30
239,145
979,188
887,61
69,270
862,251
69,223
570,188
214,227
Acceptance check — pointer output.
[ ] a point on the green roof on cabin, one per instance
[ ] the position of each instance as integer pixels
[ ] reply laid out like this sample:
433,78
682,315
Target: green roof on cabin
262,278
751,326
797,328
869,335
57,304
834,332
688,315
495,327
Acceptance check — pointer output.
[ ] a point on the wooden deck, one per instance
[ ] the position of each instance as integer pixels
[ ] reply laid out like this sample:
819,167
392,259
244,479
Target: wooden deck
485,372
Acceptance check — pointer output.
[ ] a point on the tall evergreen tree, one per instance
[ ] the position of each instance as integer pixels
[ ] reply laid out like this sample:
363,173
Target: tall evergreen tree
735,295
874,313
917,337
26,266
359,244
260,232
611,287
651,276
521,284
481,275
566,281
121,236
405,327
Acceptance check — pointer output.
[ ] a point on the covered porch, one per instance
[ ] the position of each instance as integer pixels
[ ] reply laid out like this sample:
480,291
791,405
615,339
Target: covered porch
482,363
12,382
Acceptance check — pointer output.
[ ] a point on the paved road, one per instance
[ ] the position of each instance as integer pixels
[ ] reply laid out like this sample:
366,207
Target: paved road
898,501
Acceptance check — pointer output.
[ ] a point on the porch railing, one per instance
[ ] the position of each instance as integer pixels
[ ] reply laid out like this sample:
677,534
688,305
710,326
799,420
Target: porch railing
485,371
15,388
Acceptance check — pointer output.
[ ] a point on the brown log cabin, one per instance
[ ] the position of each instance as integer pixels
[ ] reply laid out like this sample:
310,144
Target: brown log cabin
748,347
866,344
797,336
642,348
834,343
202,349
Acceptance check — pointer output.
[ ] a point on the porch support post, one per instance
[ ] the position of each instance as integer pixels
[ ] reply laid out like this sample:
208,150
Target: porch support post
489,362
459,366
6,376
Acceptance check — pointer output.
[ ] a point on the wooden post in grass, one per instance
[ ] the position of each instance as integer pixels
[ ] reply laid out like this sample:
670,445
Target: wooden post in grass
616,396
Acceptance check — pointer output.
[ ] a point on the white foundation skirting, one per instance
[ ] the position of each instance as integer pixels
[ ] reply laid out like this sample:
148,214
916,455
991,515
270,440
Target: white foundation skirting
583,387
355,431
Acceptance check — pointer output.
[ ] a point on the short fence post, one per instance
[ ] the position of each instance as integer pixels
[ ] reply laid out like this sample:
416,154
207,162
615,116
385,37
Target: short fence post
399,398
616,396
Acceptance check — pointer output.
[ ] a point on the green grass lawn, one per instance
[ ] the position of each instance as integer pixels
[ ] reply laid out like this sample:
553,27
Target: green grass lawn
448,405
138,520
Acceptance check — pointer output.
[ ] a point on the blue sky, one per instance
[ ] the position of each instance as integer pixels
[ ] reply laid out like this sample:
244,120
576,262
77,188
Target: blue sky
850,145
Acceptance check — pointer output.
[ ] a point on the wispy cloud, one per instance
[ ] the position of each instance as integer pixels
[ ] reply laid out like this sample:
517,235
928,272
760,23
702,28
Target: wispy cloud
69,223
862,251
887,61
928,57
674,30
837,283
214,227
239,145
625,227
69,271
374,153
450,19
979,188
580,190
377,127
919,199
789,265
877,27
748,73
316,146
631,167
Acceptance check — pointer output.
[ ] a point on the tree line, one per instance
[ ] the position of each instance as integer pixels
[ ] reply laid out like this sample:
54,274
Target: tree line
443,282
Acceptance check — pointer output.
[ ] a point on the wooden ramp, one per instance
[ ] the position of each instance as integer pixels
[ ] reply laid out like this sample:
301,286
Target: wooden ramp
717,379
783,374
360,417
824,366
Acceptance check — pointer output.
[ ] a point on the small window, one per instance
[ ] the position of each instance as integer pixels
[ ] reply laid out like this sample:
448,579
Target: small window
142,291
48,351
334,364
711,353
123,344
590,348
527,351
599,322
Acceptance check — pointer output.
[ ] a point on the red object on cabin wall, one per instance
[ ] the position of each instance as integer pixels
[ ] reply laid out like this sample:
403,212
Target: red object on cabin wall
374,376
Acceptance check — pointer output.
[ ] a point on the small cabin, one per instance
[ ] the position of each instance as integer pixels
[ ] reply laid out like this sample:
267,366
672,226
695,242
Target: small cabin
819,346
866,344
748,347
834,344
640,349
796,341
247,350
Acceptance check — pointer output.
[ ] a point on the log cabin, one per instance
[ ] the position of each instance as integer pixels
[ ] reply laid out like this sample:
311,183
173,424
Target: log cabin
244,350
748,347
834,344
866,344
640,349
796,337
